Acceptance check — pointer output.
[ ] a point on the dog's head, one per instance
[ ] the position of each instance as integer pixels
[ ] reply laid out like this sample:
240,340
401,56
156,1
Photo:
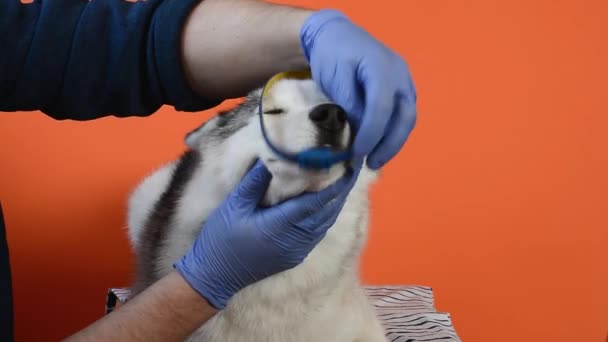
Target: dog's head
297,116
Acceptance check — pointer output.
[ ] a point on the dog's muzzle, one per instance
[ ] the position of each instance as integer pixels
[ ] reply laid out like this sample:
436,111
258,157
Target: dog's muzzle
330,120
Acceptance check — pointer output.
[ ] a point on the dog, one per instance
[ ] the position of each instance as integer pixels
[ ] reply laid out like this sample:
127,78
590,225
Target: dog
319,300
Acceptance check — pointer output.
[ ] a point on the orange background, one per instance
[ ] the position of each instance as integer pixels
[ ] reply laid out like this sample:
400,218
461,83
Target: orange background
499,200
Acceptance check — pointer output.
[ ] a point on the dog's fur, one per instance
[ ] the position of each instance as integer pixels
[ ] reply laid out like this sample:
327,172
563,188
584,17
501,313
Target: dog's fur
320,299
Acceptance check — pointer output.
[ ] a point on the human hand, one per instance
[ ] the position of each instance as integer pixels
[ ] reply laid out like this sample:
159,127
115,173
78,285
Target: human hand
371,82
240,243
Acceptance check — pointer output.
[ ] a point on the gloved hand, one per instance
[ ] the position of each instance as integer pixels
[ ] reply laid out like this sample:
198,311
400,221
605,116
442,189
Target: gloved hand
240,243
371,82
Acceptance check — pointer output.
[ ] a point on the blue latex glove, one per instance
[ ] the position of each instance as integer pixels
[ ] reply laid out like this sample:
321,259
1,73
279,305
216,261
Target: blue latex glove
371,82
241,243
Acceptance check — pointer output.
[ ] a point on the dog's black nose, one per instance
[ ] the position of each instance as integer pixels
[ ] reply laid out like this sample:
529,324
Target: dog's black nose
330,117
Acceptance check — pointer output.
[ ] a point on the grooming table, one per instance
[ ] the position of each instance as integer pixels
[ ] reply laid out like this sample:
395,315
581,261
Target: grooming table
407,312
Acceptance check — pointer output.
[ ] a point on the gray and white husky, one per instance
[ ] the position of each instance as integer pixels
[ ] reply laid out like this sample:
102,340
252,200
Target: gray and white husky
319,300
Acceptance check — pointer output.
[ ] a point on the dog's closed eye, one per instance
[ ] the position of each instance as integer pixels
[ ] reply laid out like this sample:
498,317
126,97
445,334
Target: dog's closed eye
274,111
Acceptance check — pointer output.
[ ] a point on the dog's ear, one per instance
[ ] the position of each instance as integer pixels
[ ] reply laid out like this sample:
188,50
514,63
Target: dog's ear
193,137
254,96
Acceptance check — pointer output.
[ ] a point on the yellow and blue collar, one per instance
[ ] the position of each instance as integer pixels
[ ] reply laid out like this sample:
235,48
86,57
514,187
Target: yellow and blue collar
314,158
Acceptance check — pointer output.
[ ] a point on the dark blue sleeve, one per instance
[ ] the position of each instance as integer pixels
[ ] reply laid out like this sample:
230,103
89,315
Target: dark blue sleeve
81,60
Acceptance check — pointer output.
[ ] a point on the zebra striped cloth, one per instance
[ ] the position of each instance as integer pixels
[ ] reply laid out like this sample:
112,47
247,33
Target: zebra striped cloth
407,312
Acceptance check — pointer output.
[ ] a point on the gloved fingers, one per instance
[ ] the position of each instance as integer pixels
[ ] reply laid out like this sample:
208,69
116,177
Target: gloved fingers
251,189
309,231
301,207
399,128
379,105
327,216
347,93
357,164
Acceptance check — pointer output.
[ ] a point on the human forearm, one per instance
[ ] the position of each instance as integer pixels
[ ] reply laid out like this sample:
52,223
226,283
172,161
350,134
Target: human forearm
169,310
232,46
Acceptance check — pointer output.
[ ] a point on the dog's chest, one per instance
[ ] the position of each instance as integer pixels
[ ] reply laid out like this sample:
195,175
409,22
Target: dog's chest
320,318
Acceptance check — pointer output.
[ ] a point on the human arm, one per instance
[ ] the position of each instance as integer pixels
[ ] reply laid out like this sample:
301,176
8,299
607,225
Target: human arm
169,310
126,59
129,58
